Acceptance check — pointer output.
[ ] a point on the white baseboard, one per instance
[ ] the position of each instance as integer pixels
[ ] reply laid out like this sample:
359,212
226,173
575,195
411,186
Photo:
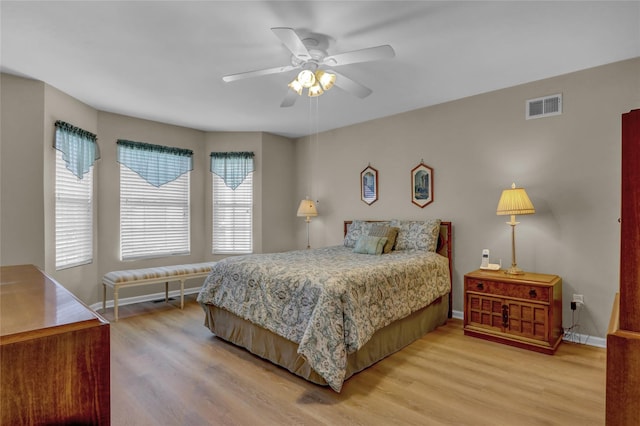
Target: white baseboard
583,339
144,298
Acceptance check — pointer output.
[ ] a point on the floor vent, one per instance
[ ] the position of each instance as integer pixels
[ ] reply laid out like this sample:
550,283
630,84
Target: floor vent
544,107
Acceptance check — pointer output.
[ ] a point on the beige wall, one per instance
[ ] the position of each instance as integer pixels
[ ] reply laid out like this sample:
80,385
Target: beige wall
21,175
477,146
279,204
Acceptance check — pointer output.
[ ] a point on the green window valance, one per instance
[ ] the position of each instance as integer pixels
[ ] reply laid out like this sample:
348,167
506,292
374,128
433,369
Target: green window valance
232,167
79,147
156,164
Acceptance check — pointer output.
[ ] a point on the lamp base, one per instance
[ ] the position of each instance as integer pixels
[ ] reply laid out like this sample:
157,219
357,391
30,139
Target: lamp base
514,270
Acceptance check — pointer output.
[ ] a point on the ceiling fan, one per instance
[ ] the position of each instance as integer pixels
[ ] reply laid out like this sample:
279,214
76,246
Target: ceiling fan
316,65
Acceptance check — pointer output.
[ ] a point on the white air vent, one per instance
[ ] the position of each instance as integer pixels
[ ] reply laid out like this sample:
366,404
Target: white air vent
544,107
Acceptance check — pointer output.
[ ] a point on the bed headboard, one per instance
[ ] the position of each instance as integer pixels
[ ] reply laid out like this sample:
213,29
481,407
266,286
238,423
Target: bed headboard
445,244
444,239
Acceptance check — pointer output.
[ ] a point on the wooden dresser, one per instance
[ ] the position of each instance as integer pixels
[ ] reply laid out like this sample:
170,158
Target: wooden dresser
518,310
54,353
623,336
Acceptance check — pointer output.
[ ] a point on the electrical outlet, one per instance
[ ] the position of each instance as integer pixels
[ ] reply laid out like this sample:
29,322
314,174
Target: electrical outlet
578,298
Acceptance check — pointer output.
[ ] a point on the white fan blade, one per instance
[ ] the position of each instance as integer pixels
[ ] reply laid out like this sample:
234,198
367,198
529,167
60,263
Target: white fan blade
355,88
289,99
293,42
258,73
362,55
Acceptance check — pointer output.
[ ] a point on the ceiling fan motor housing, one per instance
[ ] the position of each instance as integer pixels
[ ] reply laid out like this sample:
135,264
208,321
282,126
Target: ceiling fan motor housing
317,55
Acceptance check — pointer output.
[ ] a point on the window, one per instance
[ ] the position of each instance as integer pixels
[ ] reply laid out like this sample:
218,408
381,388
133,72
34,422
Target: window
74,216
232,216
232,196
154,200
76,153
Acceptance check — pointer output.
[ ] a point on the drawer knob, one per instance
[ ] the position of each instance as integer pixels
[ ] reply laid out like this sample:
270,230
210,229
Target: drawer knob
480,285
533,293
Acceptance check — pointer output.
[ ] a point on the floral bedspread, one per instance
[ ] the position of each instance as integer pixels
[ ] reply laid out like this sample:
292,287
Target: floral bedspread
329,301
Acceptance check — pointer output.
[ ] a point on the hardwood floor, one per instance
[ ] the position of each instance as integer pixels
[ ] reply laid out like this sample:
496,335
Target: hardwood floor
168,369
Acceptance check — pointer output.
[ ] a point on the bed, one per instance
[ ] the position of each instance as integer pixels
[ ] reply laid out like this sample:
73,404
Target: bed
327,313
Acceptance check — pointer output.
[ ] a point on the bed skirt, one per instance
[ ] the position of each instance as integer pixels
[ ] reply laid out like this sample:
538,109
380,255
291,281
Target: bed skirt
283,352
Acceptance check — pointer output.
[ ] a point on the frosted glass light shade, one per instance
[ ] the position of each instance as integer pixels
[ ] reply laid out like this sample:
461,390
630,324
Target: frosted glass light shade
306,78
325,79
315,90
296,86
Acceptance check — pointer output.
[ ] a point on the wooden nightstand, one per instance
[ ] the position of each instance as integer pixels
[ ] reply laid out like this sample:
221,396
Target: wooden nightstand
518,310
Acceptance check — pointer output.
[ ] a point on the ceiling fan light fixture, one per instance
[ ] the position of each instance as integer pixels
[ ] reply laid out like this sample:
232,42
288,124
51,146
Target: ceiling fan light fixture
296,86
308,56
306,78
326,79
315,90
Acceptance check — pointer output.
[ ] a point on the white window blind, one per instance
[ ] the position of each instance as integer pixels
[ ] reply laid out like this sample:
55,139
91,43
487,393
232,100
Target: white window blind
232,216
154,221
74,216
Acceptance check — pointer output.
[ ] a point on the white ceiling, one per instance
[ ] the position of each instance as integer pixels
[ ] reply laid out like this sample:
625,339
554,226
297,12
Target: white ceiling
164,60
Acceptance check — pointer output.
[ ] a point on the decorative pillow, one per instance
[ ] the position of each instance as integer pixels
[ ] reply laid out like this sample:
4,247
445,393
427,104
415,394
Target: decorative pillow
385,231
417,235
370,245
357,229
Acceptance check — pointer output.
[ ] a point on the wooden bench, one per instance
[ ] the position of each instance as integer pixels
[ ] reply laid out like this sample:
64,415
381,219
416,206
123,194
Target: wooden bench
156,275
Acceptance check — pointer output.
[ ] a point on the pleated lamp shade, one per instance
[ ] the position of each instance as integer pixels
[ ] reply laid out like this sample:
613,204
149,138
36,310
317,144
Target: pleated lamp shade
515,201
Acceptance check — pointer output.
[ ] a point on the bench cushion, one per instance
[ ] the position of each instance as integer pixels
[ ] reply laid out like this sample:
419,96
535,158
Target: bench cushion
158,272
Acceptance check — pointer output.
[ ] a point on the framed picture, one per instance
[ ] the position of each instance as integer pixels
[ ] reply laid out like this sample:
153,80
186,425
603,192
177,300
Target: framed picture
369,185
422,185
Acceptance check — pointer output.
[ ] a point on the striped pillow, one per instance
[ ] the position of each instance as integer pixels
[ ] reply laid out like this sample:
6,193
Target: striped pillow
370,245
389,232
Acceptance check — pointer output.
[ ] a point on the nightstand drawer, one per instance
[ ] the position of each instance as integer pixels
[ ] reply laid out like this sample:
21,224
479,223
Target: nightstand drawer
518,291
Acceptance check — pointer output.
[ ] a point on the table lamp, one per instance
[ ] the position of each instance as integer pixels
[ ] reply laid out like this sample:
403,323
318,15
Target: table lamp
512,202
307,208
